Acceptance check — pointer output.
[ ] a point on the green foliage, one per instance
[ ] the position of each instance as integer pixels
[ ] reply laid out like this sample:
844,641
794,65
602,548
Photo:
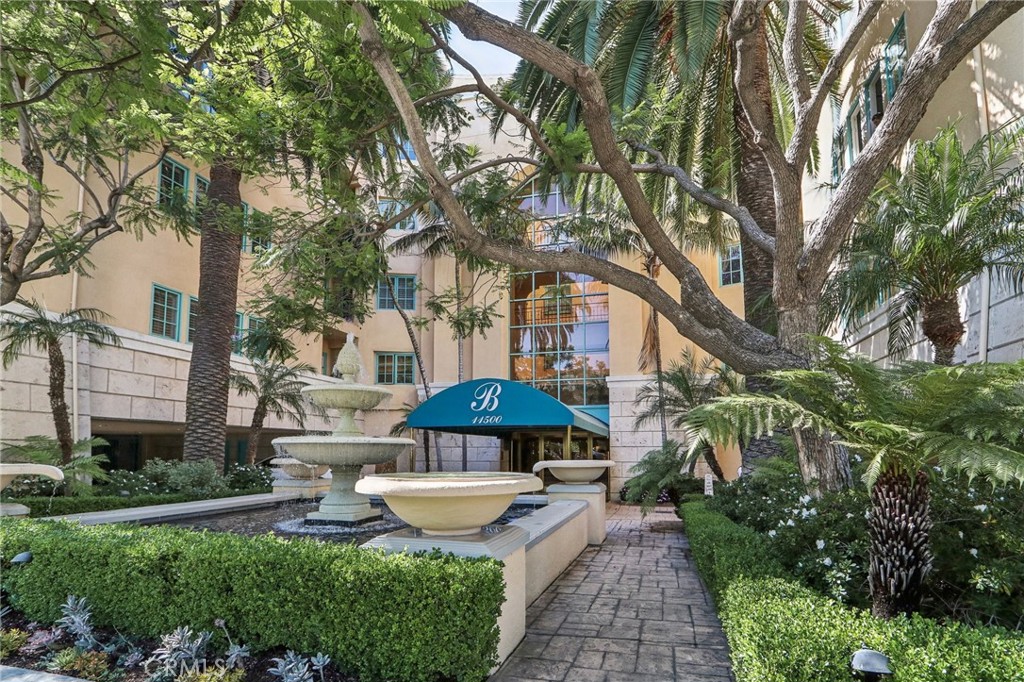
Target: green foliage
46,450
379,617
978,537
932,227
104,500
779,631
11,640
661,469
963,419
249,477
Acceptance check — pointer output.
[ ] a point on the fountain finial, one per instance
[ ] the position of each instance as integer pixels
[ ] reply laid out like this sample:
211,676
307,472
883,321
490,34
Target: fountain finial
348,363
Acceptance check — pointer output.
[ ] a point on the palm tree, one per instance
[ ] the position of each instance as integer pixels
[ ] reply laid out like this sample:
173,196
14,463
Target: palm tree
952,214
687,384
676,55
35,328
908,422
277,389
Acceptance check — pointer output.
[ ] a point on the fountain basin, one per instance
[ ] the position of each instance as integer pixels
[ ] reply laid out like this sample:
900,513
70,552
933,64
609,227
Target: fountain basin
343,450
449,503
346,396
297,470
575,471
13,470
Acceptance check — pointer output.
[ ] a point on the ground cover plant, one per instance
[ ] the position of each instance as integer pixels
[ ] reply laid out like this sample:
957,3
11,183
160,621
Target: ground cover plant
782,631
378,617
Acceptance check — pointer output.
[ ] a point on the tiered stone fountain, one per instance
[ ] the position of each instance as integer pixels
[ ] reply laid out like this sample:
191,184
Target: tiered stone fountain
347,449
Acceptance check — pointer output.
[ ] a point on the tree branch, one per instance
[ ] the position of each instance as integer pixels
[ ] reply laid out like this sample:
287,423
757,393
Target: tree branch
740,214
947,41
792,49
490,94
45,94
701,302
751,351
808,115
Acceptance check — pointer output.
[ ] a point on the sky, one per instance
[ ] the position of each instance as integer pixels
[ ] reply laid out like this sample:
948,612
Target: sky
487,59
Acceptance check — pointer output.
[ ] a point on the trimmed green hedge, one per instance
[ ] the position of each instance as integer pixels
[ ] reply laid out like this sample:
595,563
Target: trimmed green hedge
395,617
58,506
780,631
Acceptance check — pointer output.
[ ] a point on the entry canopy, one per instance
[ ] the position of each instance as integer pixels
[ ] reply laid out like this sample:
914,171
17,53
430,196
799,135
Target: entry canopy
494,407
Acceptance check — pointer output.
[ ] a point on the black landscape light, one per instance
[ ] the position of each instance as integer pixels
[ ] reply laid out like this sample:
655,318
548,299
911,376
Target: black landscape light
870,665
22,559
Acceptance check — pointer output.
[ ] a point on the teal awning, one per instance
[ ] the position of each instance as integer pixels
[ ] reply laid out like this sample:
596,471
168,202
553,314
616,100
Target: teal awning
494,407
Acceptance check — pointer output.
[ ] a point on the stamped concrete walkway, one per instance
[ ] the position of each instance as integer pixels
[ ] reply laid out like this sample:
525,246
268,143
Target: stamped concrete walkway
632,609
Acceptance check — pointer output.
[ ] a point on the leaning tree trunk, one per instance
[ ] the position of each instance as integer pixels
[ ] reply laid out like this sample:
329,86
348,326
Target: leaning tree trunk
417,352
206,403
255,431
708,451
462,355
943,326
58,404
900,553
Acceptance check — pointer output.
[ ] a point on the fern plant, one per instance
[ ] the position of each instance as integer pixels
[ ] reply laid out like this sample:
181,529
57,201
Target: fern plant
908,422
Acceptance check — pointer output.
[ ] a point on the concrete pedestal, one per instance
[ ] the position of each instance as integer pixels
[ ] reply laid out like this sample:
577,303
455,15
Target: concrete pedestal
342,504
505,543
303,487
594,495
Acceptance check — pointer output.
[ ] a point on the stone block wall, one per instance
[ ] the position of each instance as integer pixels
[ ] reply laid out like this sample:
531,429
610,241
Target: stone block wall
145,380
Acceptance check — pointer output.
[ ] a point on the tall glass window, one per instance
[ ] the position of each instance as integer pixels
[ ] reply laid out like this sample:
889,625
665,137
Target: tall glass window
163,319
173,182
730,265
405,292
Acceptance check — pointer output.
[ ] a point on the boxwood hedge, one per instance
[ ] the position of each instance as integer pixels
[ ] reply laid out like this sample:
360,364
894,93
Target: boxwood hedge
58,506
780,631
395,617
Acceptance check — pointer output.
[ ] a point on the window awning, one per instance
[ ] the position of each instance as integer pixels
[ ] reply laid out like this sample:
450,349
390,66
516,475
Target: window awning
495,407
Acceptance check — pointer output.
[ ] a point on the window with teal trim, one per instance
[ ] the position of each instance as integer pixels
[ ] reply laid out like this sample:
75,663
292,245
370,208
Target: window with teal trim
389,208
730,265
236,338
405,292
245,227
395,368
895,57
193,315
173,185
259,230
202,187
164,313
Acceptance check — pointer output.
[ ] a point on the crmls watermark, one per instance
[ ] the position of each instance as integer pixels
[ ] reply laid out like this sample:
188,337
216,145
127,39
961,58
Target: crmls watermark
176,669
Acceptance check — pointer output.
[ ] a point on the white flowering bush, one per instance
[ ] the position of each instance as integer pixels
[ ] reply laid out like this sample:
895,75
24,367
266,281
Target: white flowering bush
978,540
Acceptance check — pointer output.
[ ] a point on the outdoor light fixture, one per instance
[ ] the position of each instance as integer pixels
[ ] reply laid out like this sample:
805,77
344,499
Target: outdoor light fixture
21,559
870,665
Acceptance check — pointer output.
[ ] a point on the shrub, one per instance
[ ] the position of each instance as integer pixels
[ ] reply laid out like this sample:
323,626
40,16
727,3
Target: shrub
395,617
11,641
247,476
780,631
127,483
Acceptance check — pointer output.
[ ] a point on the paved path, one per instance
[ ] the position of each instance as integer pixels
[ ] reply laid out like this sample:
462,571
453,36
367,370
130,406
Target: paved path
632,609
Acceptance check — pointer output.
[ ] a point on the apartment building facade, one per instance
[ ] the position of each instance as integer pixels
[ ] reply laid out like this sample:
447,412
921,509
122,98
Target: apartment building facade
983,93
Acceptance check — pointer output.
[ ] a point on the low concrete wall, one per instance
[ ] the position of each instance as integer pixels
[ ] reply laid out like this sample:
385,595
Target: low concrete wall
558,533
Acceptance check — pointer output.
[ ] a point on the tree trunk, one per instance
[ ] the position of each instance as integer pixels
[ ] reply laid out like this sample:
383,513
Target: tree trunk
462,351
206,406
255,431
900,553
58,404
824,465
943,326
712,459
418,354
755,191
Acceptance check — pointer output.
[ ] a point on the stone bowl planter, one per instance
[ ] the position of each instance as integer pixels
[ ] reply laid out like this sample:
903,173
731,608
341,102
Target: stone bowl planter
575,471
449,503
13,470
296,469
